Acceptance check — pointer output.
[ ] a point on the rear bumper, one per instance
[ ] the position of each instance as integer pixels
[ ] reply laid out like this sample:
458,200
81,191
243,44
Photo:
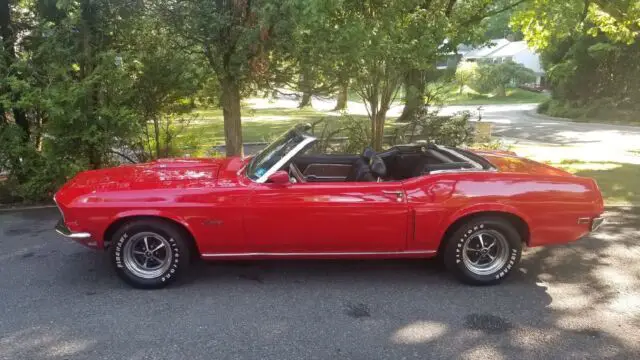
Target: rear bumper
83,238
596,223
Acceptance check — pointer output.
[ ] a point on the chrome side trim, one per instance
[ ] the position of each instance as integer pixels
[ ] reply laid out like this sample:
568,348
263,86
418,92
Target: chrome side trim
322,253
460,170
285,159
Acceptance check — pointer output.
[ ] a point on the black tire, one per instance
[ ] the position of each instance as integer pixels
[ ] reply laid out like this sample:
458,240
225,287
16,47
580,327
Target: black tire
467,236
176,253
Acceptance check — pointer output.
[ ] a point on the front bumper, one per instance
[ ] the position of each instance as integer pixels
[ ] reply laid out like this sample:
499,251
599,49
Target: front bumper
83,238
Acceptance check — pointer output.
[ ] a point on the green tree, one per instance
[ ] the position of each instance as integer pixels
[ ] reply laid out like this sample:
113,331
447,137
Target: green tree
398,42
235,37
590,52
465,73
544,22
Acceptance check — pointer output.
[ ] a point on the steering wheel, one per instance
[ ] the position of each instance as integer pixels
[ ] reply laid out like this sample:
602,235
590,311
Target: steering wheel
296,173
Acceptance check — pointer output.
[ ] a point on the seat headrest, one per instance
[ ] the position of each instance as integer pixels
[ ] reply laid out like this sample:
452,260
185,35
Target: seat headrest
368,153
377,166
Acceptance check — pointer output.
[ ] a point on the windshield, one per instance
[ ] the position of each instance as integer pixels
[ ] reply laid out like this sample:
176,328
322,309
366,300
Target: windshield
263,163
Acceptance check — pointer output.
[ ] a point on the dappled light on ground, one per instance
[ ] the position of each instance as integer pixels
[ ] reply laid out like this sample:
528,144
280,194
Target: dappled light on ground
44,342
419,332
580,300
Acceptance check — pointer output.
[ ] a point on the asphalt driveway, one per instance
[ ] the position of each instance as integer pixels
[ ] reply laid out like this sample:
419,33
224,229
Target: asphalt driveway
61,301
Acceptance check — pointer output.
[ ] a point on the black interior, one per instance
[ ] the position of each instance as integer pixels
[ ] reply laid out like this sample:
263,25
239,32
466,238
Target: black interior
398,163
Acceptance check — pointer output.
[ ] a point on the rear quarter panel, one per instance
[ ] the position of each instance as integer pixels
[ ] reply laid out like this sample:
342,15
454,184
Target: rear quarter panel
550,205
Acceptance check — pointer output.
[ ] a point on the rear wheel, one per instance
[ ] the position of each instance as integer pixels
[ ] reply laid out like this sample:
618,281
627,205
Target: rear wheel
149,254
483,251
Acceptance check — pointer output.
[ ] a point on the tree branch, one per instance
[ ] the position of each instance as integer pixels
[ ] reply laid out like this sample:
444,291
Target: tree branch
449,9
480,17
123,155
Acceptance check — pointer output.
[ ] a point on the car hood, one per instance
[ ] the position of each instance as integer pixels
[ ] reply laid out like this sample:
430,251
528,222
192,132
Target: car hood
506,161
159,174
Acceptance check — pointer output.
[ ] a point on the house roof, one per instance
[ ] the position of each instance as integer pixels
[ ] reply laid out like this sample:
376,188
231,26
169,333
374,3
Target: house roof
484,51
509,49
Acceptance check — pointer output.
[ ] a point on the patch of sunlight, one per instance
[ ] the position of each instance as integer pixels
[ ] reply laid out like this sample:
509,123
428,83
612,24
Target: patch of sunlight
613,276
628,304
419,332
568,297
580,166
268,118
69,347
483,352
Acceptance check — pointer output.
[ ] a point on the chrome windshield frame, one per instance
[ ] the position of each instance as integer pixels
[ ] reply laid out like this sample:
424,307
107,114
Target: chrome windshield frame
306,141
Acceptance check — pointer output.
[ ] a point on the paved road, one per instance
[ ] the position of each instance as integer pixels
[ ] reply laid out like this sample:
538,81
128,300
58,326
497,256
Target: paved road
61,301
522,122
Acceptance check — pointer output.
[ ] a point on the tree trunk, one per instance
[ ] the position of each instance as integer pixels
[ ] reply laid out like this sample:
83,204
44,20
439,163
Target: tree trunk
377,129
342,97
306,100
156,135
9,47
500,91
232,117
306,86
414,94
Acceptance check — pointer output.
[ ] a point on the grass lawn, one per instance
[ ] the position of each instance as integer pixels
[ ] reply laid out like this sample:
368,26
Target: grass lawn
514,96
617,181
258,125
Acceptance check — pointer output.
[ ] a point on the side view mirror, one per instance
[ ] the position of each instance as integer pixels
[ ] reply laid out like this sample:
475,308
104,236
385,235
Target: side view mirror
279,177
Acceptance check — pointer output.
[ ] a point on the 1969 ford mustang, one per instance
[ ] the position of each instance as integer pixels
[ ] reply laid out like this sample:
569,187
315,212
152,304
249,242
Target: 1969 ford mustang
474,209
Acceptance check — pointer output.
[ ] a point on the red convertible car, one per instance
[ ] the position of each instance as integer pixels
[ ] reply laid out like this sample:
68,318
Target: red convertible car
474,209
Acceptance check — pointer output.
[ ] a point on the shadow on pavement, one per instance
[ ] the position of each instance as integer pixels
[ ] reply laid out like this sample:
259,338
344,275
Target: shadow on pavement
580,300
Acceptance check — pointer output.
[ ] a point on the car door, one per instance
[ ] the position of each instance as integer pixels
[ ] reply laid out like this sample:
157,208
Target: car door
343,217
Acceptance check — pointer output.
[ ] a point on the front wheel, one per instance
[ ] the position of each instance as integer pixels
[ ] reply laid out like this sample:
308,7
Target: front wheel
149,254
483,251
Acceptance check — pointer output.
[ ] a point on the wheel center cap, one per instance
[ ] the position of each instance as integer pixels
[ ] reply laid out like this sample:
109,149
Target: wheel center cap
147,254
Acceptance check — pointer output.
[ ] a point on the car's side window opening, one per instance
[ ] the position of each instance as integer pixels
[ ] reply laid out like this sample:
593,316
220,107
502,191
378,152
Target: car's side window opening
396,164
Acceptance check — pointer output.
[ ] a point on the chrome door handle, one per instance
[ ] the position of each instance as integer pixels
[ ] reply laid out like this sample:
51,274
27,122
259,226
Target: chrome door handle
399,194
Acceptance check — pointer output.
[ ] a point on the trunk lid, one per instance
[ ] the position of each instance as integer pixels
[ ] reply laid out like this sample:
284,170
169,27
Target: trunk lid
506,161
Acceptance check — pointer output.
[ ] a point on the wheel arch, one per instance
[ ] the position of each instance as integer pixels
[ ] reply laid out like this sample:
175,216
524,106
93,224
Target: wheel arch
518,221
126,218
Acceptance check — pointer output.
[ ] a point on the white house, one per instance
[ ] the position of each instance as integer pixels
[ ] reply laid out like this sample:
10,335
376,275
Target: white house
501,50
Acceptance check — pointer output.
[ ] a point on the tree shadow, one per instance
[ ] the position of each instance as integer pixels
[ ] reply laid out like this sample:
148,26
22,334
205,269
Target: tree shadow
566,301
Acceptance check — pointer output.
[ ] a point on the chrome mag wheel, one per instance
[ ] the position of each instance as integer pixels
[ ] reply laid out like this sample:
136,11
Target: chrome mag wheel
485,252
147,255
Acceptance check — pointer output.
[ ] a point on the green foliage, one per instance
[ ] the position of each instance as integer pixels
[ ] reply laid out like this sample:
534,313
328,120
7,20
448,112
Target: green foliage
346,135
548,22
496,77
465,74
32,175
444,130
594,77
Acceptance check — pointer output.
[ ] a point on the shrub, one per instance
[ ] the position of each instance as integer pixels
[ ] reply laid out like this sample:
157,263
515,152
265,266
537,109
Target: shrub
32,176
497,77
444,130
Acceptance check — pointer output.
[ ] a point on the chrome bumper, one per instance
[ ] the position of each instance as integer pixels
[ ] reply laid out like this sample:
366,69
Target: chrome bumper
596,223
62,229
